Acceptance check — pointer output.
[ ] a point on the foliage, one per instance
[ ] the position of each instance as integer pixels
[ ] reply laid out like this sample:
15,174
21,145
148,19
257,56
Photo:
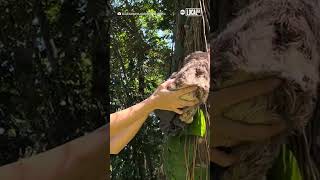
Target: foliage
180,152
140,59
198,126
285,167
53,61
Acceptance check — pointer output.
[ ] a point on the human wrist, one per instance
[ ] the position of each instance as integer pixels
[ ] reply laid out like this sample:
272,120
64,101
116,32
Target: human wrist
150,103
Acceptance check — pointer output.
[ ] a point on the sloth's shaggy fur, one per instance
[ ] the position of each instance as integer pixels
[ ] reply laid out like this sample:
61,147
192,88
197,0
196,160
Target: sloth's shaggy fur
270,38
195,72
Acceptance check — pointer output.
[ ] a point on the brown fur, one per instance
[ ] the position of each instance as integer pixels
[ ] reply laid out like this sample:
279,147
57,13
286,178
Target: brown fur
270,38
194,72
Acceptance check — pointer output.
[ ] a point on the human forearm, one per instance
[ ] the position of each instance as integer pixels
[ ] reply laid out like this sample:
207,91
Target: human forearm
88,159
125,124
121,139
162,98
123,119
83,158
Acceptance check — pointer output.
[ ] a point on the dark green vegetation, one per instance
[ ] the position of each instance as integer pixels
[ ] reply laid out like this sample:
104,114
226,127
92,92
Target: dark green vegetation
53,70
140,60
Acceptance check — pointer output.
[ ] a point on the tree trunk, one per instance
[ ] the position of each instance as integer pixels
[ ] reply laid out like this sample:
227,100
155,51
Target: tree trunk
190,36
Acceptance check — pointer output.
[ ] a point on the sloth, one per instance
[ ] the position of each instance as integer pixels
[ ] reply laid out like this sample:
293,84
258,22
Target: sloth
194,72
269,39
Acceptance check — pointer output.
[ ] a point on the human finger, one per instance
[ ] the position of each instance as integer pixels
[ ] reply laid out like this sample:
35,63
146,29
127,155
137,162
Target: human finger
165,84
247,132
178,111
225,97
185,103
188,97
186,90
219,140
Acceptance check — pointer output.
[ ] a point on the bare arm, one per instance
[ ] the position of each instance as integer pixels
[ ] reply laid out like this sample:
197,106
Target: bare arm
123,119
126,123
122,138
83,158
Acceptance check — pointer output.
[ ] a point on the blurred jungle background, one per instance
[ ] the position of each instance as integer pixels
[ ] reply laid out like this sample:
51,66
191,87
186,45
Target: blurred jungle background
141,57
53,73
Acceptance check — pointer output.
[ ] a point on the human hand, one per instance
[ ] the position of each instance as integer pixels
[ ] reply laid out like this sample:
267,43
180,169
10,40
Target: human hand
226,132
222,158
165,99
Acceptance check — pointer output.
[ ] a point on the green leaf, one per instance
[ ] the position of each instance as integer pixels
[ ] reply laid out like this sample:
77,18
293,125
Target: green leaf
198,126
285,167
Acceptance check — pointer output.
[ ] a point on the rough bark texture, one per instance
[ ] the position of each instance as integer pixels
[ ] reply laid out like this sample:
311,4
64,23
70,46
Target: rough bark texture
269,38
190,65
192,68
